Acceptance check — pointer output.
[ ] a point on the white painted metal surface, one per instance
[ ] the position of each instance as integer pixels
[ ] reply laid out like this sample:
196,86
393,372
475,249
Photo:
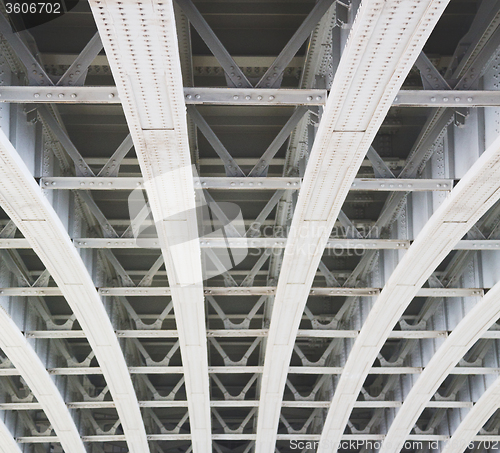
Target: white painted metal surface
245,96
384,42
254,183
21,198
466,433
7,442
484,314
148,76
28,365
471,198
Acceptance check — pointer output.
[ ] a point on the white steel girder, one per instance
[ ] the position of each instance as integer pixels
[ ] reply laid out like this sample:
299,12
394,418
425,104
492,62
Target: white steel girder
27,363
468,331
21,198
385,40
140,40
7,443
475,419
471,198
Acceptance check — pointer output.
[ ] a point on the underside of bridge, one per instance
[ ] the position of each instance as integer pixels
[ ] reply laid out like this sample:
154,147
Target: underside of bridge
250,226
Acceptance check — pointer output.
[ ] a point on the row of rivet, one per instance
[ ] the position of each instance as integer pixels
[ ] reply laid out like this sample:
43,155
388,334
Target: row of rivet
247,97
445,99
404,185
62,95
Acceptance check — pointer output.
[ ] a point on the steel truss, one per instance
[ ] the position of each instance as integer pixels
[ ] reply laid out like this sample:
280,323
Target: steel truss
240,376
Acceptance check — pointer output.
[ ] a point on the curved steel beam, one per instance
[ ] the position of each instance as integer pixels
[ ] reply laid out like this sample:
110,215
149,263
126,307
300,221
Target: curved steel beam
7,443
22,199
468,331
148,76
385,40
475,419
15,346
469,200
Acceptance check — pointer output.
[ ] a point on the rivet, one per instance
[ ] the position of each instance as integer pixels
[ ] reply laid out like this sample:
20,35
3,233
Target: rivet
235,97
111,95
61,95
271,98
309,98
73,95
248,98
197,96
259,98
49,95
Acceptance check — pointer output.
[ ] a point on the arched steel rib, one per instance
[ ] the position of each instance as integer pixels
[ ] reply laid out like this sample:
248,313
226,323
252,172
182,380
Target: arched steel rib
385,40
469,200
148,76
22,355
463,337
476,418
7,443
22,199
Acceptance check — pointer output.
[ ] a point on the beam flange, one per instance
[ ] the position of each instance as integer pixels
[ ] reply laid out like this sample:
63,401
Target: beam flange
240,291
345,133
243,183
194,96
22,199
468,202
302,370
246,96
446,98
148,76
233,242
